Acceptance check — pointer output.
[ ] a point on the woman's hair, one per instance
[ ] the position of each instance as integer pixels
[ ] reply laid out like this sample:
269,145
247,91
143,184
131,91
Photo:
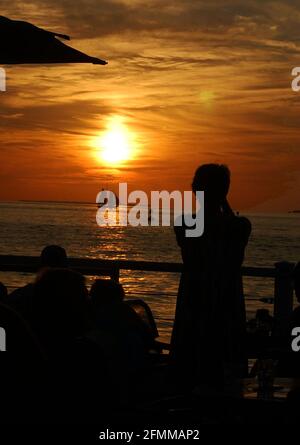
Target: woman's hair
213,179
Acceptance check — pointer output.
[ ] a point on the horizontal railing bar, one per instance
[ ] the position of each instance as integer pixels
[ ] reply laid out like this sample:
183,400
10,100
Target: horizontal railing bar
88,266
173,294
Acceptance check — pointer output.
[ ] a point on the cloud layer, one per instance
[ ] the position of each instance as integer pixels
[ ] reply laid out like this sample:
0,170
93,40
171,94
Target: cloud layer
195,81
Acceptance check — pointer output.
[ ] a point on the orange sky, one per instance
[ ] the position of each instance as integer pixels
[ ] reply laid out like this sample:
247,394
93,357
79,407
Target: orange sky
192,82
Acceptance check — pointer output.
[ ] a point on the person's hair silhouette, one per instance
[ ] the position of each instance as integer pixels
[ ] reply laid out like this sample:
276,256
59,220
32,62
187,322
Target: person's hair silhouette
106,292
53,256
214,180
21,299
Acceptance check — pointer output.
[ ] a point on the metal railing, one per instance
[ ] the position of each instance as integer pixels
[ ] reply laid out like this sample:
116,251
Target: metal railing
281,273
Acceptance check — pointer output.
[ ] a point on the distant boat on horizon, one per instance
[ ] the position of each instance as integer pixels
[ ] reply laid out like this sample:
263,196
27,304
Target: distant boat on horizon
294,211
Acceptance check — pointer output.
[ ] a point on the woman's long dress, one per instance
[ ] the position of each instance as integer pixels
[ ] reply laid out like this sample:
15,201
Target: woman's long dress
209,328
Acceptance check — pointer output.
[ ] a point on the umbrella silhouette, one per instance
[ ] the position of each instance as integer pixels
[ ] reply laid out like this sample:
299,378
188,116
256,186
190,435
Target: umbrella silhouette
22,42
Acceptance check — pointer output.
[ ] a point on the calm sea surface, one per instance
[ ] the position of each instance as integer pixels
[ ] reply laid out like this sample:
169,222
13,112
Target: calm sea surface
26,227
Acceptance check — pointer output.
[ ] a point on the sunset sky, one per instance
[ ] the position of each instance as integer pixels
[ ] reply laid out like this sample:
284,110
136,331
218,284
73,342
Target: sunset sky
188,82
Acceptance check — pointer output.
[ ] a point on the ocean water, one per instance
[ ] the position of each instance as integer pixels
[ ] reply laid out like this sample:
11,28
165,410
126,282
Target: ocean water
26,227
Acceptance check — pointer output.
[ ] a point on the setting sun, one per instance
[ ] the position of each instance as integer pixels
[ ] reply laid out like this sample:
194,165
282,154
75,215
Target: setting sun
116,144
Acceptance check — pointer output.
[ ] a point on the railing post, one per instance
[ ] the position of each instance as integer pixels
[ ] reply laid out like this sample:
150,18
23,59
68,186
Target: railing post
283,293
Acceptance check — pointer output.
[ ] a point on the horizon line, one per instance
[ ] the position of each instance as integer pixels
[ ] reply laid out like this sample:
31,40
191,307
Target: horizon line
292,211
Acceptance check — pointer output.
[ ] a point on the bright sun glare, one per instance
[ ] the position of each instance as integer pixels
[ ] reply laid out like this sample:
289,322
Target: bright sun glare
115,145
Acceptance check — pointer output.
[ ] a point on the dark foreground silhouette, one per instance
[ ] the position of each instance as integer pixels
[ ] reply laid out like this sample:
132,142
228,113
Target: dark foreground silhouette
85,357
75,355
73,348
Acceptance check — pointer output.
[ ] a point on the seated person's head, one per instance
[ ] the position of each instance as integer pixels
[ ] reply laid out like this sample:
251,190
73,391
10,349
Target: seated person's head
214,180
297,281
53,256
106,292
60,302
3,292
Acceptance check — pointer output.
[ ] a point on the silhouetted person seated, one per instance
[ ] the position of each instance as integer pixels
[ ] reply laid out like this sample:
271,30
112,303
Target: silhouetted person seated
207,344
21,299
126,341
3,293
76,368
60,310
289,364
122,332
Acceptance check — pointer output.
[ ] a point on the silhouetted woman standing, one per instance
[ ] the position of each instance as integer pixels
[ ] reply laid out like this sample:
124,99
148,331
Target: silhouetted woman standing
209,328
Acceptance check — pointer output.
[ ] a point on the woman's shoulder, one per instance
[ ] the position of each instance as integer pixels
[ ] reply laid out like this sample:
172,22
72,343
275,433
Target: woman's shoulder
240,225
244,223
